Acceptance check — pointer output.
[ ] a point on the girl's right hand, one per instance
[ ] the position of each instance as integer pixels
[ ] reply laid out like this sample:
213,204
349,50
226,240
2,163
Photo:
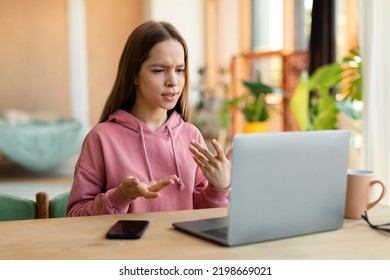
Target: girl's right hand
132,187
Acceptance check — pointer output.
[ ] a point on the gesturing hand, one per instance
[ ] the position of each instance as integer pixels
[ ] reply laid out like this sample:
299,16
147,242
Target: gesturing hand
216,168
132,187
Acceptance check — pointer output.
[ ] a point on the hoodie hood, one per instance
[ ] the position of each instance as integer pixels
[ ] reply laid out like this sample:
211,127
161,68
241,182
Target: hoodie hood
128,120
168,129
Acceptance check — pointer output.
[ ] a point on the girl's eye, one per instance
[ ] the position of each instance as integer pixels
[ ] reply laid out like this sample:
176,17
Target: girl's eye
180,70
158,70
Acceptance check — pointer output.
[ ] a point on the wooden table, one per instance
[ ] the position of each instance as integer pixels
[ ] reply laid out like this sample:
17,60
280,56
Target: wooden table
84,238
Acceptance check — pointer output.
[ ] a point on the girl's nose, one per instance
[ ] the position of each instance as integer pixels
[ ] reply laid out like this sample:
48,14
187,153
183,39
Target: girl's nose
171,80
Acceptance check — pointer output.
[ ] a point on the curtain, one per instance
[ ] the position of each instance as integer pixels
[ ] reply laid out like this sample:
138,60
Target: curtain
322,37
374,22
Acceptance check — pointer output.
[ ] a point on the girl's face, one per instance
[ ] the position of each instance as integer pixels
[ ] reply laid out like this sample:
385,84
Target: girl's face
161,79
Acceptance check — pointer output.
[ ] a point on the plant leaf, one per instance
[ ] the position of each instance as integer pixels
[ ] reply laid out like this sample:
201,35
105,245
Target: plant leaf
299,103
258,87
326,77
326,117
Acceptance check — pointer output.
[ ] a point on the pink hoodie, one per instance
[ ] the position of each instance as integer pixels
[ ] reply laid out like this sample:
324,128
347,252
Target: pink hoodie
124,146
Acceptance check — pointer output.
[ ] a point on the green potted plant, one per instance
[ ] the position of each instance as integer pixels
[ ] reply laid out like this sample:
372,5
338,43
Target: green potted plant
252,104
332,88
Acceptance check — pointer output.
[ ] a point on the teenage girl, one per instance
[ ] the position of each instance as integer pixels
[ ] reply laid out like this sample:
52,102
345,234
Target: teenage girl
144,155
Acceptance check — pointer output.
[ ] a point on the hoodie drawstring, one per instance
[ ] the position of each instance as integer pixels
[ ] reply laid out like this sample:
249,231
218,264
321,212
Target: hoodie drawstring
146,153
150,174
181,185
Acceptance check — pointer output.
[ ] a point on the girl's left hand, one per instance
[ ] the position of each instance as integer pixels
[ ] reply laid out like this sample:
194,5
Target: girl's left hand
216,168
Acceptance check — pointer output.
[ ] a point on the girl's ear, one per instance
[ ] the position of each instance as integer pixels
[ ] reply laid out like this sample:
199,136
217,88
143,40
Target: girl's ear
136,81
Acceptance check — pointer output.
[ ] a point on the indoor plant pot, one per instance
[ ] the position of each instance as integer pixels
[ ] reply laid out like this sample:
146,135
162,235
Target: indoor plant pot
253,105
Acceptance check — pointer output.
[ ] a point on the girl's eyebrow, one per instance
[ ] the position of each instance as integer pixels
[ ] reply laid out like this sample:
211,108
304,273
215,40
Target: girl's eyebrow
165,65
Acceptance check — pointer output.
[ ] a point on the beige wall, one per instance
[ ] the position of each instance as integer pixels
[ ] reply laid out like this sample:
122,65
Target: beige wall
108,27
34,56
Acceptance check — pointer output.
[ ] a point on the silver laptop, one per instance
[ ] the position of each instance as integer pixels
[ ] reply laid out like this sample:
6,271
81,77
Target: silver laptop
283,185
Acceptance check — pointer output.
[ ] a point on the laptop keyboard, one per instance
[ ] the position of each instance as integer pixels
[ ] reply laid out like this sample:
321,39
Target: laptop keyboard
218,232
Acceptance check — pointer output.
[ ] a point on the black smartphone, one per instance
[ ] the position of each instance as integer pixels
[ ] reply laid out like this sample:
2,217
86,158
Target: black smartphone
127,229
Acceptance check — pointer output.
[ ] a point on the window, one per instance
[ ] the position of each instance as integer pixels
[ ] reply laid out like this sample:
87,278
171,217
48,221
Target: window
267,25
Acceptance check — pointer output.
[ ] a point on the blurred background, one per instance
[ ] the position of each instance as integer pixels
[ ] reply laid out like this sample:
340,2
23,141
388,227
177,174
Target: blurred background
58,61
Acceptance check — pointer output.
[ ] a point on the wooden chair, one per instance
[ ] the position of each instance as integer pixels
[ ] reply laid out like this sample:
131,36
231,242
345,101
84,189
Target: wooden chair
42,205
13,207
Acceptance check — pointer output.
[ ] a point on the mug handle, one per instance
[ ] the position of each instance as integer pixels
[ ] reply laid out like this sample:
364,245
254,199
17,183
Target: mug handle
372,183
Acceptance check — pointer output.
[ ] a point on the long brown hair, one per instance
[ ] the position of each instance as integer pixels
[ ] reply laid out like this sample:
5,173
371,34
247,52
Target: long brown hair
136,51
